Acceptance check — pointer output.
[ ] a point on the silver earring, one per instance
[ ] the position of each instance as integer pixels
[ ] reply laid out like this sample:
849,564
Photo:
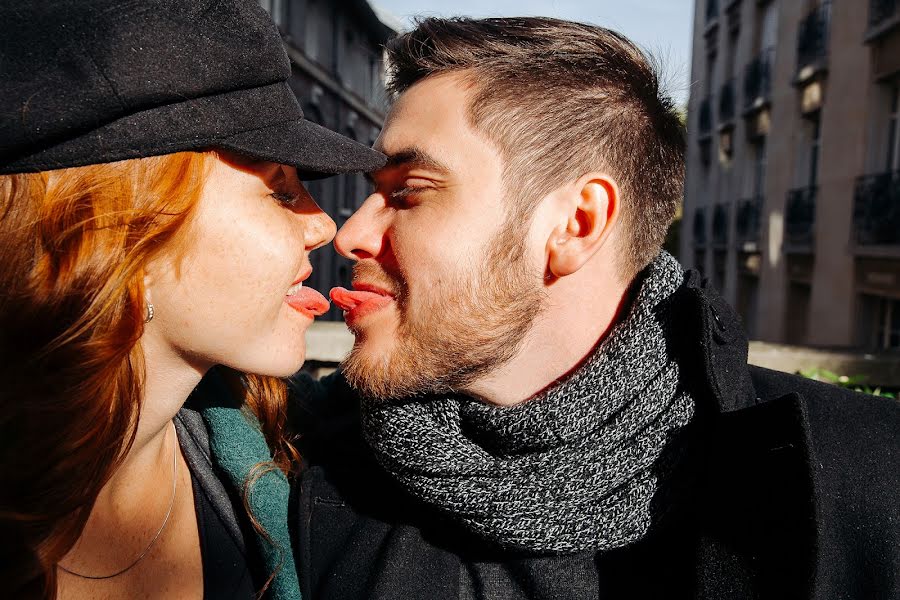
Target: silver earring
149,312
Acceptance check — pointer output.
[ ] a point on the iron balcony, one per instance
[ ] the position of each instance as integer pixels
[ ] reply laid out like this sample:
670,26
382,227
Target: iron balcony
800,217
876,209
881,10
758,80
726,102
748,220
812,40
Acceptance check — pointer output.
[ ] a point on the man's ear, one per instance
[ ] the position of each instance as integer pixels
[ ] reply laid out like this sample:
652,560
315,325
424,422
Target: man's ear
593,207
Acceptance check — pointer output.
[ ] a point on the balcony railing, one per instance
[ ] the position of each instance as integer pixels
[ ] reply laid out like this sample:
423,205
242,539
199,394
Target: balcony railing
720,225
876,209
812,37
733,14
699,227
726,102
800,216
882,10
748,220
705,116
758,80
712,10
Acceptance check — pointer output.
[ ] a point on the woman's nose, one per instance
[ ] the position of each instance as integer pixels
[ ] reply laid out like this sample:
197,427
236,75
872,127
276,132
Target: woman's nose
320,230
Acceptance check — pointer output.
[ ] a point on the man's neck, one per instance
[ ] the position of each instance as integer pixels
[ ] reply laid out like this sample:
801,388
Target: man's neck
577,317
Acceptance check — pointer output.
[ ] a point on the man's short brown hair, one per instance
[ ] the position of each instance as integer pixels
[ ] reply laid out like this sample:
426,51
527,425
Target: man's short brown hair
560,99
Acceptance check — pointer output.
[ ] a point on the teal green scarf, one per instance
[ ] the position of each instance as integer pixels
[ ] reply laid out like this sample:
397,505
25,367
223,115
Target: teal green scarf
237,445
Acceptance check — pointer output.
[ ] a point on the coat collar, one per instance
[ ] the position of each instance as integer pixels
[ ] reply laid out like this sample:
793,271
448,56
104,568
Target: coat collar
757,497
711,339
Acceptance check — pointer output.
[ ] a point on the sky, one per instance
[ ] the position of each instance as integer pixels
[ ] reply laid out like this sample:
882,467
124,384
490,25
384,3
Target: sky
661,27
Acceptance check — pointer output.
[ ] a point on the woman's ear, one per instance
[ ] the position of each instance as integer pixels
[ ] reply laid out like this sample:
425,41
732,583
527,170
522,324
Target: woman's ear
148,276
593,207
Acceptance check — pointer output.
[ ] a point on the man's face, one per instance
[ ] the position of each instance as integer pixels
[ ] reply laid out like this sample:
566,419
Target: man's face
446,289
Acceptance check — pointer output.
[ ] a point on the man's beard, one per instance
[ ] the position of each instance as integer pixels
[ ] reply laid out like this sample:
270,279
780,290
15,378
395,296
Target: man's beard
472,325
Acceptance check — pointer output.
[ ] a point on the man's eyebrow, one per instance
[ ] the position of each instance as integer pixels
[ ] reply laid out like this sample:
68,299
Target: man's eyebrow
412,157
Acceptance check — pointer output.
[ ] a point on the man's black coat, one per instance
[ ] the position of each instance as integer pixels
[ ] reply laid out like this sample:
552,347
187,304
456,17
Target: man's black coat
794,493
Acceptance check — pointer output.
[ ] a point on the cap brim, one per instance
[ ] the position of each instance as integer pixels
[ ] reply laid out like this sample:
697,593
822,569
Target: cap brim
315,151
264,122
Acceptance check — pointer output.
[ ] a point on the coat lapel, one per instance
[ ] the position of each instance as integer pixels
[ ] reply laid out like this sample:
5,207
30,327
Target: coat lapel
757,516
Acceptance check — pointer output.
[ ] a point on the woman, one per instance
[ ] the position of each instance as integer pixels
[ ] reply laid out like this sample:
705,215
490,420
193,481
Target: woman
153,225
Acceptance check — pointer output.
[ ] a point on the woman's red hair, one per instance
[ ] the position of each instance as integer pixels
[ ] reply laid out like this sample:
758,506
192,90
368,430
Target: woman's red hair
73,244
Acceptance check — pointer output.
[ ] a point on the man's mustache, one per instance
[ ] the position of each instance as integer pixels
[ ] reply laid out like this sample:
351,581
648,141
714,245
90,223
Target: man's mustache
370,272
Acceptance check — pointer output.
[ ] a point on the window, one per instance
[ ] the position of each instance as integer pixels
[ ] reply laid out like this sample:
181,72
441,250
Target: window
769,30
747,302
887,328
719,267
893,148
700,261
275,8
316,20
759,169
814,148
712,10
807,152
374,79
797,309
753,182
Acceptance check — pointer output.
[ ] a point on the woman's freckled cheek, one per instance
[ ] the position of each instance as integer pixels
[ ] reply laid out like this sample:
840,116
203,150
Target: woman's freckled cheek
225,265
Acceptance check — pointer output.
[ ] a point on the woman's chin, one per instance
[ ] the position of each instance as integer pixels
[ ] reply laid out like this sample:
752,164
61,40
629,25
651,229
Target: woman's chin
288,368
283,364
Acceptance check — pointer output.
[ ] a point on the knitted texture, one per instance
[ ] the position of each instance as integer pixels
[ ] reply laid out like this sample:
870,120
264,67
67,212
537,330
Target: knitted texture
237,446
573,469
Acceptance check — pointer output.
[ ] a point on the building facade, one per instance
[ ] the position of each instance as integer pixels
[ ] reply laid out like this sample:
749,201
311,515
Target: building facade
335,47
792,194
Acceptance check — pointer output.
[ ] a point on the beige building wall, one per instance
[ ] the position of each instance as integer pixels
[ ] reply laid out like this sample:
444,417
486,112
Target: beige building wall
812,153
782,139
843,114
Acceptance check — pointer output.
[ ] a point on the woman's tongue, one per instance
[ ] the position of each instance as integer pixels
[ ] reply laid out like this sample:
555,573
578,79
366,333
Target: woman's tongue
350,299
308,301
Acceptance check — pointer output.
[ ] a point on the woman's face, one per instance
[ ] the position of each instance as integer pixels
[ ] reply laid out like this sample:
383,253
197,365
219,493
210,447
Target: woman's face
236,298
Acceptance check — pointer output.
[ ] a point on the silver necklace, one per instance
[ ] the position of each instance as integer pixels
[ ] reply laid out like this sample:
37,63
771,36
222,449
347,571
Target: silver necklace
161,527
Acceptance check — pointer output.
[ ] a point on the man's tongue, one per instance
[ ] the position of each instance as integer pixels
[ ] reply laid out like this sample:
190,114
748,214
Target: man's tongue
310,301
350,299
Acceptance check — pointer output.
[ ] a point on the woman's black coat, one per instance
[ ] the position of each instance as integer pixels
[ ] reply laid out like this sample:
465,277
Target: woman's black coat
795,493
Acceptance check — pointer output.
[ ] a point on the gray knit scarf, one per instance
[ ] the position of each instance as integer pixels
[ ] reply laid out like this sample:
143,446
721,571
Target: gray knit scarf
574,468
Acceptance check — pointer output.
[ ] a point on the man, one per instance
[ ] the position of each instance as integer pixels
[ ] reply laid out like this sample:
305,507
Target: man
540,403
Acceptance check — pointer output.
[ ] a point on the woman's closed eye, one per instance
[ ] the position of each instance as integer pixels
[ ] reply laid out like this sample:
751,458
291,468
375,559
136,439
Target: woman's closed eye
286,198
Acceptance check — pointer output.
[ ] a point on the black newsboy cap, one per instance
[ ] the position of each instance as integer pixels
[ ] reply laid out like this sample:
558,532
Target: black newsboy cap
94,81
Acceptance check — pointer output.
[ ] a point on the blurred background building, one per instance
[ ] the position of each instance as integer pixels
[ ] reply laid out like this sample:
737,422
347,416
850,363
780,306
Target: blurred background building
336,53
792,199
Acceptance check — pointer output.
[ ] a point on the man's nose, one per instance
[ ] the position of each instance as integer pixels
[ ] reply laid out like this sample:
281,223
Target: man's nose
362,235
